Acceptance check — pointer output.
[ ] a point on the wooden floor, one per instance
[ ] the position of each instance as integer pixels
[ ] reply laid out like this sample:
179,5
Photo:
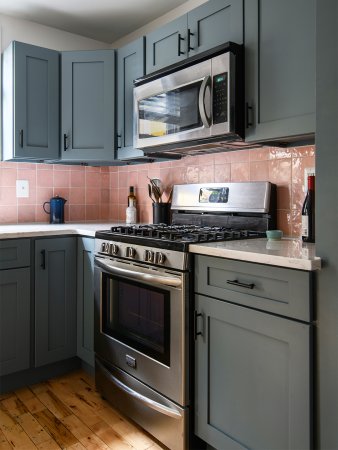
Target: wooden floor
67,413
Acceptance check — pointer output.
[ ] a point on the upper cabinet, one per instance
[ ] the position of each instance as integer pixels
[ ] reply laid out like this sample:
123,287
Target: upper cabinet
130,65
30,93
280,68
211,24
87,106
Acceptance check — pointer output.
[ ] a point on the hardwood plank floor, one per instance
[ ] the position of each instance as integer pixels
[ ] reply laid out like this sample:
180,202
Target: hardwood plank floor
66,413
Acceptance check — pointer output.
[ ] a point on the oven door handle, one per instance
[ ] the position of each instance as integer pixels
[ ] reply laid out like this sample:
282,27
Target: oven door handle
159,279
171,412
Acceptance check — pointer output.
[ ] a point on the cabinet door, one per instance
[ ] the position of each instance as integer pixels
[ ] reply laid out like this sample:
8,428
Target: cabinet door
130,65
55,300
167,45
85,300
31,102
87,106
14,320
252,379
280,68
215,23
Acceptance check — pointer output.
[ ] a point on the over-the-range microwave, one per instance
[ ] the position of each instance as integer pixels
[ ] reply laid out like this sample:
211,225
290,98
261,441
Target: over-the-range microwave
192,103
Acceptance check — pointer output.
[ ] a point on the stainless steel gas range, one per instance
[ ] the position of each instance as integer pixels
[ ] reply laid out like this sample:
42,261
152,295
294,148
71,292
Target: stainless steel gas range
144,314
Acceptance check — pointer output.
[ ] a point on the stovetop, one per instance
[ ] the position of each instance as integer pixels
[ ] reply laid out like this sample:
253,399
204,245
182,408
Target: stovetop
173,237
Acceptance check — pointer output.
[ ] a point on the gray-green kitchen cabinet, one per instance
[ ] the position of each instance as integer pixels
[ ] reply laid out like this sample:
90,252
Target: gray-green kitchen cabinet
85,299
15,304
253,369
30,93
55,299
205,27
130,65
87,106
280,68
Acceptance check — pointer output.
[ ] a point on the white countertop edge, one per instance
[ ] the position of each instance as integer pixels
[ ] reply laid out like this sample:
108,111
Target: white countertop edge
272,260
41,230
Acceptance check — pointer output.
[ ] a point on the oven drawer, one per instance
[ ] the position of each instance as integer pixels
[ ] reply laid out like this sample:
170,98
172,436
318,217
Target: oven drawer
14,253
286,292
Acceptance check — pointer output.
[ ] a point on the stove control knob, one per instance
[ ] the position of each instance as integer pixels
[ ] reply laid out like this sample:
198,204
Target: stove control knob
148,256
104,247
160,258
130,252
113,249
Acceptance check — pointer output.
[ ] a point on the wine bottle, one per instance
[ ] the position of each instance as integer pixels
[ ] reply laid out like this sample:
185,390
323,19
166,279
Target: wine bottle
308,212
131,197
131,209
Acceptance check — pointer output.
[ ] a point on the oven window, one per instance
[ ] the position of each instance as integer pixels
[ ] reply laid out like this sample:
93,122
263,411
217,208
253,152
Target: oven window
170,112
137,315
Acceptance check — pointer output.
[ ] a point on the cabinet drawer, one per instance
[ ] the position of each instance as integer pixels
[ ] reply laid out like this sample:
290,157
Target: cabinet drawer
273,289
14,253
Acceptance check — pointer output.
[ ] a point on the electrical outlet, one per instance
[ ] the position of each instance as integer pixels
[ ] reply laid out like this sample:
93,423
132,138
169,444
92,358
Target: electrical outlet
22,188
307,172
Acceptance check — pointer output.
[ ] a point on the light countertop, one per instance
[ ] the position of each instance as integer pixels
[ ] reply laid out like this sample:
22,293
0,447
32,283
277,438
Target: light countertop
45,229
288,252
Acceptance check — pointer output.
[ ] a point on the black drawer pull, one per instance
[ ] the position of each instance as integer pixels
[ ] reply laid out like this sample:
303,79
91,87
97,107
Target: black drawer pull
43,260
244,285
196,316
180,38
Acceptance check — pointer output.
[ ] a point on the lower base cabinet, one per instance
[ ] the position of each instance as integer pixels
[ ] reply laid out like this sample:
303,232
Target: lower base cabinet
252,378
85,299
55,300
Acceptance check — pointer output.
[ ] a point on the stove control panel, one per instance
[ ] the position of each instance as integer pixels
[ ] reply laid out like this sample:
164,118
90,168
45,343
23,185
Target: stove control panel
142,254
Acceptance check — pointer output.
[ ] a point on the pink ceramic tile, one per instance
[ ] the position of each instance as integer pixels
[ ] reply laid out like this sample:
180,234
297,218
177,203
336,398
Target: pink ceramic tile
259,171
304,151
122,213
222,158
43,195
192,174
133,178
114,180
77,213
27,174
8,177
77,196
25,166
31,200
280,153
26,214
146,215
9,165
222,173
260,154
166,176
280,171
8,196
62,192
40,167
44,178
40,215
92,212
114,196
105,180
78,168
61,167
154,171
298,167
240,156
178,175
8,214
92,169
61,179
142,195
296,223
104,169
93,196
284,221
205,160
283,196
143,177
77,179
123,196
67,213
123,180
113,169
206,174
105,196
104,212
240,171
298,196
93,179
113,212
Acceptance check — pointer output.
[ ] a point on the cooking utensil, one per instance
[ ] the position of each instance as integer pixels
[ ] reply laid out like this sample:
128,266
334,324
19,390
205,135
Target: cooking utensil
156,191
170,195
150,193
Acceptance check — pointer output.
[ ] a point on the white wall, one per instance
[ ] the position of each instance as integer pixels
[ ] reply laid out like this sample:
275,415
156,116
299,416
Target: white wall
33,33
171,15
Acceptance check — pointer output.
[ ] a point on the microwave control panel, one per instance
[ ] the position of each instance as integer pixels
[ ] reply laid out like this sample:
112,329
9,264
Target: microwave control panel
220,98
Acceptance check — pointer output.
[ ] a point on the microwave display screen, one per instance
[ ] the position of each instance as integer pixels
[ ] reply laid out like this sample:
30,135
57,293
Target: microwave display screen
170,112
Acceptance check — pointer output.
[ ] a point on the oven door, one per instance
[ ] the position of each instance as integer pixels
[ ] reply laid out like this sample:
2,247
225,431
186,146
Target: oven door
140,324
174,108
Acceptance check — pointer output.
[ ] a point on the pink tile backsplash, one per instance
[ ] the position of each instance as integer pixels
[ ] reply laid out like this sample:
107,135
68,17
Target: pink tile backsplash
100,193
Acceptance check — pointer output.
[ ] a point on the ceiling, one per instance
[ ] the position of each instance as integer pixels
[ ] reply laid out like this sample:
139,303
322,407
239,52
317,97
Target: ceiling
103,20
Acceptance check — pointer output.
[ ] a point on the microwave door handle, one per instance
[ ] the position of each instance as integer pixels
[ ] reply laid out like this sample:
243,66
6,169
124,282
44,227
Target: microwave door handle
159,279
204,90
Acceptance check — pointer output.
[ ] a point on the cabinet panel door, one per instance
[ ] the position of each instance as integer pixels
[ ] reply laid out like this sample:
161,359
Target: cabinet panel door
36,97
14,320
130,65
215,23
85,300
280,67
252,379
166,45
55,300
87,105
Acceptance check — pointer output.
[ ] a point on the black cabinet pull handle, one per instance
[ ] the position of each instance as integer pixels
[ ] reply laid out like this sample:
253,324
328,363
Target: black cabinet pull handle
196,316
189,40
21,138
43,260
65,142
248,113
180,38
119,140
243,285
